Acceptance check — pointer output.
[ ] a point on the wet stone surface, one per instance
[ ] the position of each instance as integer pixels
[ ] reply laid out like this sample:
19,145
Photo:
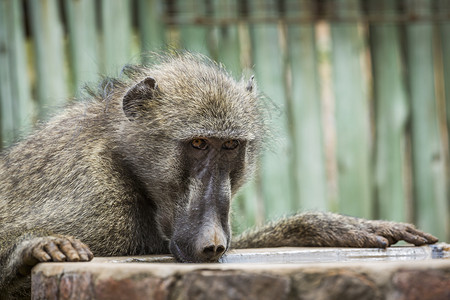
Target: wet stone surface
277,273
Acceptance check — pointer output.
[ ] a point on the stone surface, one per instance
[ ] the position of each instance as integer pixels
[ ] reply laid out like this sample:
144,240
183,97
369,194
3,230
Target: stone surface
335,284
231,284
147,278
422,284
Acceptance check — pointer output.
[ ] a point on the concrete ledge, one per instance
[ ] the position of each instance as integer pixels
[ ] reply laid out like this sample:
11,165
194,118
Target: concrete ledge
353,274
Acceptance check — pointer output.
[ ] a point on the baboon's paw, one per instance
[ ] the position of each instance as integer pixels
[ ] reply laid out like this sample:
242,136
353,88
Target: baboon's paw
391,233
54,248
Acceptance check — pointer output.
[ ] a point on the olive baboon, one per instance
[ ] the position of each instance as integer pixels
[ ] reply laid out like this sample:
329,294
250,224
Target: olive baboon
149,164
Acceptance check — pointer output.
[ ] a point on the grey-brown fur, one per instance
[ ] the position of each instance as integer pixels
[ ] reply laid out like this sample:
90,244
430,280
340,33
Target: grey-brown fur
125,172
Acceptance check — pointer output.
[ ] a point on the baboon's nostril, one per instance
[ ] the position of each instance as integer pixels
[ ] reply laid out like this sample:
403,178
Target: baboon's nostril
220,249
213,252
209,250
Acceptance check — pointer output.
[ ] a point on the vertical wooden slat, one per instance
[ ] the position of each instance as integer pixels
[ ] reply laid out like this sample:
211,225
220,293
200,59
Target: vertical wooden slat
306,112
428,157
276,183
51,74
6,104
117,35
352,113
444,26
445,41
391,109
294,152
151,27
228,48
193,37
83,41
323,47
24,106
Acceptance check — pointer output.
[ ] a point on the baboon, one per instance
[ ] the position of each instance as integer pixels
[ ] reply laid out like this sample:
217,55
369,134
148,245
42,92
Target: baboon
148,164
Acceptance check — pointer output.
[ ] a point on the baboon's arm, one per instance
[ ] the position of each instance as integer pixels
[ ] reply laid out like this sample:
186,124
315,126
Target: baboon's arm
331,230
20,251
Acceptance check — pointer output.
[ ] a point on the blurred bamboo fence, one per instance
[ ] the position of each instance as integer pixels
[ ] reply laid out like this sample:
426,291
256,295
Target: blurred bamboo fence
363,89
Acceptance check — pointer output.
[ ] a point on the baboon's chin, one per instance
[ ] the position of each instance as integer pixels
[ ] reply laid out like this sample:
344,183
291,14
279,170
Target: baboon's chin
180,256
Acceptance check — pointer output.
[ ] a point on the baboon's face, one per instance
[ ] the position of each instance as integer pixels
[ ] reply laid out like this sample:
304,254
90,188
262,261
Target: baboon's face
195,142
212,171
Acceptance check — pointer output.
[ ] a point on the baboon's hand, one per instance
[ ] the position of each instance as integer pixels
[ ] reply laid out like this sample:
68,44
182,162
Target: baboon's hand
53,248
386,233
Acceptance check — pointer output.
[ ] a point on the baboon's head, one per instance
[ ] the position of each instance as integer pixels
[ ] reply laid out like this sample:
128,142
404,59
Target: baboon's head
193,135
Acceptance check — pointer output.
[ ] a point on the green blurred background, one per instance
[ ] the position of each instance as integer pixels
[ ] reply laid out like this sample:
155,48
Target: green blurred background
363,89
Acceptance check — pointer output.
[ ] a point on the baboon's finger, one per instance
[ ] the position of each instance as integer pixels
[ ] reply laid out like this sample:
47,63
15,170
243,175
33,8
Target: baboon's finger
68,250
38,254
413,239
83,250
54,252
429,239
392,240
370,240
381,242
89,253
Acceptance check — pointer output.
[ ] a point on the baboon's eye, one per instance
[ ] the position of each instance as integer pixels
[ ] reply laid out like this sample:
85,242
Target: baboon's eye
201,144
230,145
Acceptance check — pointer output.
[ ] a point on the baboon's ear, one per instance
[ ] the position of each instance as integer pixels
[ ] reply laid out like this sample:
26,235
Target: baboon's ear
250,84
134,101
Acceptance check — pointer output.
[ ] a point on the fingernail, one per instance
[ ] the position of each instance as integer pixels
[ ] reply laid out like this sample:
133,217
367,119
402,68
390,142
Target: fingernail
83,257
382,242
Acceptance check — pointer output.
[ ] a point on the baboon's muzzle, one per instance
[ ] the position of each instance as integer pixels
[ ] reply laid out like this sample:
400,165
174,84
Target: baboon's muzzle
202,232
